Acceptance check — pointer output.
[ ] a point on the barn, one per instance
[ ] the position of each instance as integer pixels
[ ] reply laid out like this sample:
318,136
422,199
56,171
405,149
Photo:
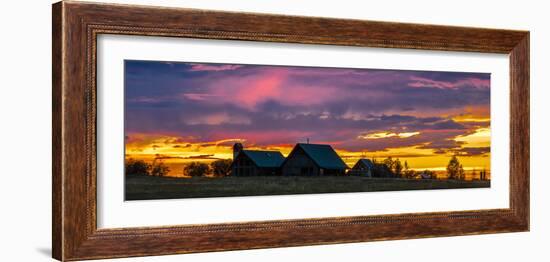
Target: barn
363,167
313,160
255,162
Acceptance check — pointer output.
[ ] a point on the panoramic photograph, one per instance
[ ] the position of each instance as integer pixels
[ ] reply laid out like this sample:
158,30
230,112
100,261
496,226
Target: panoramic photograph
196,130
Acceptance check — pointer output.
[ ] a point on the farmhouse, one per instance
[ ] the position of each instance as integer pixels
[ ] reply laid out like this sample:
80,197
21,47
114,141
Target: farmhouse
255,162
363,167
313,160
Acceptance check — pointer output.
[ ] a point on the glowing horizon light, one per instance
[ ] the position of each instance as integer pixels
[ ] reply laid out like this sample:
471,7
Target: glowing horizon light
480,138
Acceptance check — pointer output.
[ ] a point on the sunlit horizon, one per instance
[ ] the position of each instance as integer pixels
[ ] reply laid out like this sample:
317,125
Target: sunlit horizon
174,151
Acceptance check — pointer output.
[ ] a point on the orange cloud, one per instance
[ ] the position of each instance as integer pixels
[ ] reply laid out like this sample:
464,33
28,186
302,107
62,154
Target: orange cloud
387,135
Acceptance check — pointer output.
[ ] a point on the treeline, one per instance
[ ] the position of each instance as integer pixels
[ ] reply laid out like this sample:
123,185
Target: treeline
218,168
390,167
455,170
393,168
140,167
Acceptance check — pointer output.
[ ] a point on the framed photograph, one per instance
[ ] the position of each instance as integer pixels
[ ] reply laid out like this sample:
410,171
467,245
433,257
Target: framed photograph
182,130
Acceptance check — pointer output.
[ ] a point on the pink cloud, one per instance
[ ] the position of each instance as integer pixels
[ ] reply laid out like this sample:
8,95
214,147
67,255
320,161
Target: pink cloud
216,119
198,96
271,84
260,90
145,100
213,67
478,83
426,82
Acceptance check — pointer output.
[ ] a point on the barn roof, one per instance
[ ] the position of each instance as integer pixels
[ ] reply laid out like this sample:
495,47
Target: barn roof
265,158
366,162
323,155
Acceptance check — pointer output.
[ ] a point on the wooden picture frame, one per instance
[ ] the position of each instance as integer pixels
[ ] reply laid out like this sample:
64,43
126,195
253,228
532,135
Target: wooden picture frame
76,26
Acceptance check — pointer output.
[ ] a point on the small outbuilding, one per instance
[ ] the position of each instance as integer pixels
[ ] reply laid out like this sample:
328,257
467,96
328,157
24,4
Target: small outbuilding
363,167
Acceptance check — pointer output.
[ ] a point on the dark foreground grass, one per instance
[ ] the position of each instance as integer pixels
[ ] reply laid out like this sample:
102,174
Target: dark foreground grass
149,187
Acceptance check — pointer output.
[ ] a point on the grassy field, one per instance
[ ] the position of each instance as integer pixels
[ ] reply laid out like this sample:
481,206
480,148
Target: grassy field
149,187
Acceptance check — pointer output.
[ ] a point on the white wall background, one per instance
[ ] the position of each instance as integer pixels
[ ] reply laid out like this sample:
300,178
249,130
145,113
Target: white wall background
25,94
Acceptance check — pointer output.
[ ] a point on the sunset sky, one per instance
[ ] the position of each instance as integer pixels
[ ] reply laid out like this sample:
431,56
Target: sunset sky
184,112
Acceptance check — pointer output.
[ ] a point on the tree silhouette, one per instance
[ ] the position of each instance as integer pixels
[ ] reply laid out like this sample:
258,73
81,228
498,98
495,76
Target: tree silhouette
407,172
136,167
159,169
196,169
390,164
430,174
455,169
380,169
461,173
397,168
483,174
221,167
